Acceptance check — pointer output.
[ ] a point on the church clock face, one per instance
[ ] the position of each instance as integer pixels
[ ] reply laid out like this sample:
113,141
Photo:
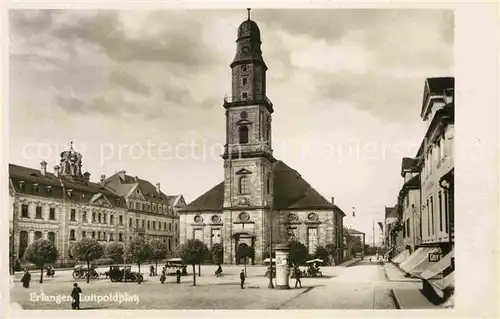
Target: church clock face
244,115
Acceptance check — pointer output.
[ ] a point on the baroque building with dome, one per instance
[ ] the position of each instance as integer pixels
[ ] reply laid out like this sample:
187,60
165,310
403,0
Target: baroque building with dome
261,199
64,206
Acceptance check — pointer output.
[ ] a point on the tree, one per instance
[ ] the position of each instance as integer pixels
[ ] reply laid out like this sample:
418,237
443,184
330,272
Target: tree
40,253
217,253
321,253
193,253
245,251
87,249
298,252
139,251
159,250
115,251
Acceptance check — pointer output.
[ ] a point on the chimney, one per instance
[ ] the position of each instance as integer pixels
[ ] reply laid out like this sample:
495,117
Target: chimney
136,179
122,174
158,188
86,176
43,167
56,171
103,180
333,200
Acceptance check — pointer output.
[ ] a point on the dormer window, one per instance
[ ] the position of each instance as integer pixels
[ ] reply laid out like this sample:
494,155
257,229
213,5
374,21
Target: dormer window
21,185
245,95
49,190
36,188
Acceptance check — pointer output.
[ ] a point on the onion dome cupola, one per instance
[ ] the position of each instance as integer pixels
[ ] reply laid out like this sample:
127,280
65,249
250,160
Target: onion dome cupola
248,44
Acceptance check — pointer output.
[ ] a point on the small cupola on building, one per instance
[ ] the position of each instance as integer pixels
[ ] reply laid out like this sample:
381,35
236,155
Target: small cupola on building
71,164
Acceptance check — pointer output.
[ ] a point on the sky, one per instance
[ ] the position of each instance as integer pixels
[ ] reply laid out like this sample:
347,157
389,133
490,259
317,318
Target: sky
142,91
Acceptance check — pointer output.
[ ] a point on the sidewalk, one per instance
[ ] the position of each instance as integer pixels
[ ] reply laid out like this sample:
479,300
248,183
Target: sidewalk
407,296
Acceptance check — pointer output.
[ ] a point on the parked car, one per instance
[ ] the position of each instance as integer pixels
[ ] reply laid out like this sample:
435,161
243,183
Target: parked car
123,273
80,271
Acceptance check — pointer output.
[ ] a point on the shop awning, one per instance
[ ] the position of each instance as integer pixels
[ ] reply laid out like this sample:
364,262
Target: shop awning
401,256
443,283
437,268
417,260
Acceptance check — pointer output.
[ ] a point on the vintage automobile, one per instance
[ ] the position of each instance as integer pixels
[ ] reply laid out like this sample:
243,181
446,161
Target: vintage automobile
123,273
80,271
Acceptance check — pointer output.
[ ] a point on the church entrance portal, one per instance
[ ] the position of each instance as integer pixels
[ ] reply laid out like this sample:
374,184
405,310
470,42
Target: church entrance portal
245,246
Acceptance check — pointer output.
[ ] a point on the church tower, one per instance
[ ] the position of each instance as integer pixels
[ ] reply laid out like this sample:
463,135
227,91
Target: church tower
248,155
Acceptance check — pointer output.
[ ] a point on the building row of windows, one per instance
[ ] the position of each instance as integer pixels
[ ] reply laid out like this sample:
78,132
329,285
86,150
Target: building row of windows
148,207
443,210
36,189
153,225
96,235
437,152
100,218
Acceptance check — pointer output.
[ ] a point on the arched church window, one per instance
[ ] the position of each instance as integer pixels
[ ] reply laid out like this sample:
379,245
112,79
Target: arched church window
243,186
38,235
243,135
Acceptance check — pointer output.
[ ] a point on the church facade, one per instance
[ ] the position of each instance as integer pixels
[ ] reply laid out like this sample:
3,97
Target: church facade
261,199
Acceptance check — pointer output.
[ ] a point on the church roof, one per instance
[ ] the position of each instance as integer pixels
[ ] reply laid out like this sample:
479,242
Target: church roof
291,192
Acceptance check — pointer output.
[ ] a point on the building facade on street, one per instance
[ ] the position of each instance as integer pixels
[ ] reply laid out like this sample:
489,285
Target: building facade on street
394,243
409,202
64,206
430,176
261,199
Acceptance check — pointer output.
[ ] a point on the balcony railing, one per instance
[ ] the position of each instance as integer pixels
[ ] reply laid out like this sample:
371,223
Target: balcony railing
246,148
139,230
257,98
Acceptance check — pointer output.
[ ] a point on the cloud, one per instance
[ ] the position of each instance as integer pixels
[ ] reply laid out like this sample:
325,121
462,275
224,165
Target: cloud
129,82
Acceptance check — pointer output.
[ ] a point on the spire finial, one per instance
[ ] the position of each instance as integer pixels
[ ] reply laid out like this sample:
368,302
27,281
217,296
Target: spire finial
249,13
71,145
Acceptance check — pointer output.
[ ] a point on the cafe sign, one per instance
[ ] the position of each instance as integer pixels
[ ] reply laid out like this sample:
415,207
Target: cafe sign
434,257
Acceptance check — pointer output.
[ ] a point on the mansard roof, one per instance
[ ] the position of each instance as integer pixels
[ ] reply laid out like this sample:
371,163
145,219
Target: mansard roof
291,192
60,187
124,185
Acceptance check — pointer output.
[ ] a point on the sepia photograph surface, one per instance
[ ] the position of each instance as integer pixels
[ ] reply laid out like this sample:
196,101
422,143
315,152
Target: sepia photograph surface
247,158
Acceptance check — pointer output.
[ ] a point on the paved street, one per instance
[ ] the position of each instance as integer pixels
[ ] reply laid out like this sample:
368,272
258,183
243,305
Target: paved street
363,285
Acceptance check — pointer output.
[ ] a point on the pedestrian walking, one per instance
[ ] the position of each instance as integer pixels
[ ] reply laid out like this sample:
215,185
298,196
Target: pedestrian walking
178,274
26,279
75,294
297,275
242,278
151,271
